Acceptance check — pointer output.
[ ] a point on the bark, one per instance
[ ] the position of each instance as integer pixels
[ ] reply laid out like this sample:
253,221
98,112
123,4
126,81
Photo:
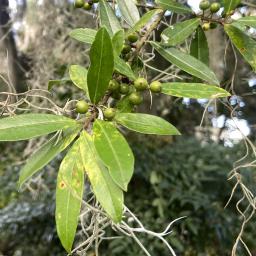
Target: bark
9,47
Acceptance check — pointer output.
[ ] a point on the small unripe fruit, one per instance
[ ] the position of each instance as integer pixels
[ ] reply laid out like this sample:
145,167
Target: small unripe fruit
95,1
213,25
206,26
215,7
204,5
126,49
82,107
87,6
109,113
79,3
156,87
113,85
135,98
116,95
133,38
124,88
141,84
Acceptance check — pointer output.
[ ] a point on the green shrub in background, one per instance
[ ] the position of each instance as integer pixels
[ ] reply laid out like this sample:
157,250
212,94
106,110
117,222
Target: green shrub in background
183,178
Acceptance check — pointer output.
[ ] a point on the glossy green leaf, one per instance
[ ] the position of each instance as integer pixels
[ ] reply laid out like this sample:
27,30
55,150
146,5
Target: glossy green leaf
145,19
230,5
245,44
187,63
108,18
46,153
84,35
102,65
27,126
173,6
146,124
194,90
109,195
199,46
176,34
78,75
114,151
123,68
129,11
69,194
62,81
246,21
118,41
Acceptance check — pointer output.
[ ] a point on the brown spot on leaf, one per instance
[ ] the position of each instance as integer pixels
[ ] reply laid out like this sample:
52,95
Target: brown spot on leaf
62,185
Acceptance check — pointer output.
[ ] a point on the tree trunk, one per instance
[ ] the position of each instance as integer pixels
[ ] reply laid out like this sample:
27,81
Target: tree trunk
16,74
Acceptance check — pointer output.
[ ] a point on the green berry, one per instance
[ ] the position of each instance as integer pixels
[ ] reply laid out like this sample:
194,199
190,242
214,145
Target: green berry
82,107
109,113
116,95
124,88
132,38
113,86
126,49
213,25
206,26
156,87
79,3
204,5
215,7
135,98
87,6
141,84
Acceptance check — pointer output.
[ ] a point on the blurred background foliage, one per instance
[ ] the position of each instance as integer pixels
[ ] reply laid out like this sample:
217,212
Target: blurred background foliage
184,176
181,178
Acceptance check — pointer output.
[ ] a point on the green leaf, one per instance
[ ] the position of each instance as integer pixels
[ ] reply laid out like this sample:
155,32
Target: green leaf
27,126
177,33
173,6
123,68
102,65
69,194
114,151
108,18
45,154
129,11
199,46
145,19
187,63
230,5
245,44
118,41
84,35
106,191
62,81
194,90
78,75
246,21
146,124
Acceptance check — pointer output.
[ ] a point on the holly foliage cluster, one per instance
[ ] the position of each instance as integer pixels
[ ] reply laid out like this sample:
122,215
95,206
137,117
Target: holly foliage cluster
114,84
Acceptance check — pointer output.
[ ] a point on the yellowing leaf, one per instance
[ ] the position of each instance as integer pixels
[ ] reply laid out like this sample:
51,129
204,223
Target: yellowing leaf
69,194
109,195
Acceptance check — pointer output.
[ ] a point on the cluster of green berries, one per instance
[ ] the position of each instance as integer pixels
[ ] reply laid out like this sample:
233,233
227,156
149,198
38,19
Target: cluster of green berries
87,5
214,8
205,5
133,92
129,43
